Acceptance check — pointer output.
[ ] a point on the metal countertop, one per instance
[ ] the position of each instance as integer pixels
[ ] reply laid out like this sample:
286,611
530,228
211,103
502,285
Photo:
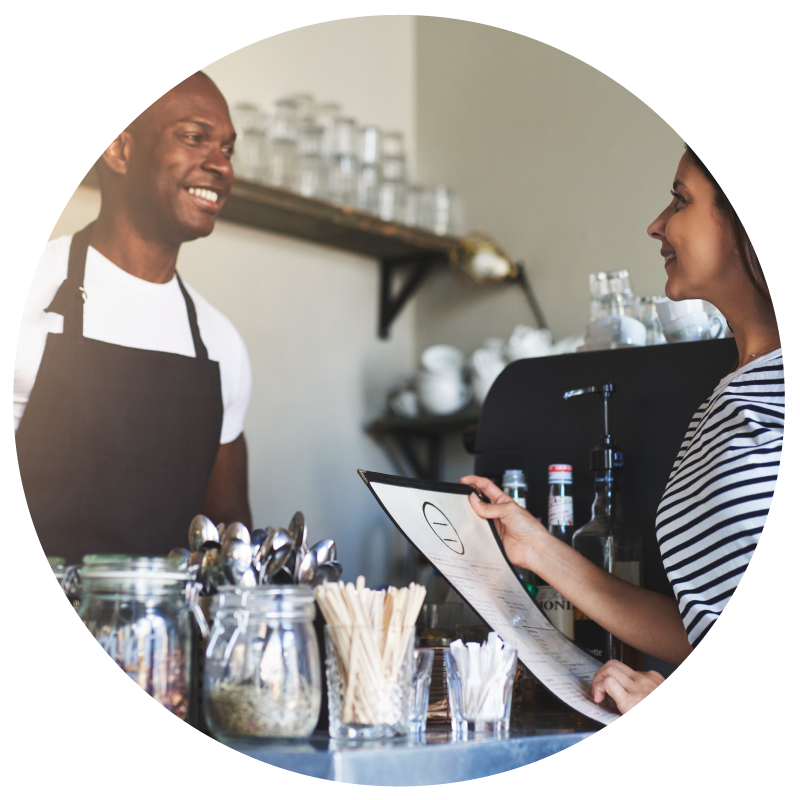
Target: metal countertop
434,758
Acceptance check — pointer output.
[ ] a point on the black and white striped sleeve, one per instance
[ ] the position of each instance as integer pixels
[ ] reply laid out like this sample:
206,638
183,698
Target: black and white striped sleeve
718,495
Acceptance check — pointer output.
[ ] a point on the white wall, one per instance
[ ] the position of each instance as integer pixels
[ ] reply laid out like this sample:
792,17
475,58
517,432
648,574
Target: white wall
562,166
365,64
309,314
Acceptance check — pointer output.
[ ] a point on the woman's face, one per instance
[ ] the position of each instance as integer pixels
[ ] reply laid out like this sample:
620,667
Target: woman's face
696,241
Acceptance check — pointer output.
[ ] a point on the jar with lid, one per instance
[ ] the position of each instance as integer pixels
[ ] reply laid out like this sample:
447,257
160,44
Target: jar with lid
262,671
59,567
138,608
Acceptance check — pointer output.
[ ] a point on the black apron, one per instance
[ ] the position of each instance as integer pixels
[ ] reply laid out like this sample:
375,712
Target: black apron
116,444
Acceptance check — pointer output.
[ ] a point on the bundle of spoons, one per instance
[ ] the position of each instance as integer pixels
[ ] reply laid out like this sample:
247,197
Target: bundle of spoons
221,555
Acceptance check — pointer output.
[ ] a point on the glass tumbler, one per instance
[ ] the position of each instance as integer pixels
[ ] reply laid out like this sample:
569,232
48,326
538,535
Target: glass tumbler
368,693
647,314
262,671
311,167
420,691
481,705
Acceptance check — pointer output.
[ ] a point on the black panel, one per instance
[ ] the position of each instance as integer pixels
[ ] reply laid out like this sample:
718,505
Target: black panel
525,424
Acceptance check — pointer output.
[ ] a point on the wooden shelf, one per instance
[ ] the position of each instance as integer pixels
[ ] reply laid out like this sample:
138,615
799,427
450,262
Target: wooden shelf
279,211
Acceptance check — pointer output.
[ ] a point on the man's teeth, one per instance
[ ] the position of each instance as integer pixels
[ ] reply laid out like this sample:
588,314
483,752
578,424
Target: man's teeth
206,194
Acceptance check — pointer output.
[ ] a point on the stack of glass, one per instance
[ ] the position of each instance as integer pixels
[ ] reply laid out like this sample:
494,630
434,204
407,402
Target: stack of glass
611,294
315,150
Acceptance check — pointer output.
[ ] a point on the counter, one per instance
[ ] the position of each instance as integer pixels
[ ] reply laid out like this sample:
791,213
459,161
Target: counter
435,759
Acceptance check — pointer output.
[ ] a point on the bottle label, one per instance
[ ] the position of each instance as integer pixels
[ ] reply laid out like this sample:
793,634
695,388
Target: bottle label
559,511
628,570
558,610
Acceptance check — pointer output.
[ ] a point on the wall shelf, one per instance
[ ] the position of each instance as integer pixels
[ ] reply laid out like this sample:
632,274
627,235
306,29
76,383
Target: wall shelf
406,254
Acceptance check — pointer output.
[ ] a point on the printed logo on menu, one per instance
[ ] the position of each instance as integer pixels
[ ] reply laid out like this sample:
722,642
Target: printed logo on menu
443,528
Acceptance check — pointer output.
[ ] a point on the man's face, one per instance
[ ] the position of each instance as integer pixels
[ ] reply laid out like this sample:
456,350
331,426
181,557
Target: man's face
179,172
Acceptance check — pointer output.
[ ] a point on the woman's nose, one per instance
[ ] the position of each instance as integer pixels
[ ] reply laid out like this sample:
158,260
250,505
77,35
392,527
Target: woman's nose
656,227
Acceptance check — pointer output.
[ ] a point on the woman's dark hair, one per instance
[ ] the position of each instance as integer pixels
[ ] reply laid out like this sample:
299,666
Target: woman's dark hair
744,246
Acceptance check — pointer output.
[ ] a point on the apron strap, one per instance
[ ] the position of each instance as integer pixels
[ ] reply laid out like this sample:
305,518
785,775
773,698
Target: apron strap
199,347
71,296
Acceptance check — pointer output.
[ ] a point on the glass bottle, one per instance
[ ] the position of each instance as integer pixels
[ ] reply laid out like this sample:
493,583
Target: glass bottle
607,543
514,486
560,524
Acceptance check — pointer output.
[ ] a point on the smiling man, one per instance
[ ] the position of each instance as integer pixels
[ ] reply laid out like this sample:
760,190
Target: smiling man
130,389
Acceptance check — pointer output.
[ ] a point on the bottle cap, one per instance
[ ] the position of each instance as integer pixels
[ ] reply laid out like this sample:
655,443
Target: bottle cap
559,473
514,477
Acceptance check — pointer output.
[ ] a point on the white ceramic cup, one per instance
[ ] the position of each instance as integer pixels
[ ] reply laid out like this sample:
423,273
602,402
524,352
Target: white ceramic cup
693,328
442,392
442,358
612,330
671,310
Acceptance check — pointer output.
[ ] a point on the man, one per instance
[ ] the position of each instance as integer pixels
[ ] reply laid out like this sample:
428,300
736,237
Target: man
130,390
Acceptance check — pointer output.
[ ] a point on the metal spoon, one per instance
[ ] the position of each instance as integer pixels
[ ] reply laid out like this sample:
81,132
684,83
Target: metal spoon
182,553
257,538
201,529
298,531
324,550
238,531
338,569
235,559
306,568
324,572
249,579
277,559
264,550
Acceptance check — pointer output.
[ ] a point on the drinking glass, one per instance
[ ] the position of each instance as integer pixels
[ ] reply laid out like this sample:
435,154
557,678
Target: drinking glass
647,314
311,174
249,156
343,174
392,190
368,695
436,209
393,145
420,691
487,710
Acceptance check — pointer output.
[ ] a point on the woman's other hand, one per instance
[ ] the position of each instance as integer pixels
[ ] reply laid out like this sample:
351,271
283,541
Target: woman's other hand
623,685
516,527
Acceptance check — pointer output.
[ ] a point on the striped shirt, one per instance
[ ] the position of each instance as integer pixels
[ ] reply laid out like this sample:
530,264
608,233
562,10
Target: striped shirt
720,489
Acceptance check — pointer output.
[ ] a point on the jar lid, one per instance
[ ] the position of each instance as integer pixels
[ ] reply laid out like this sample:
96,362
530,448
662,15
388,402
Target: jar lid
122,566
265,598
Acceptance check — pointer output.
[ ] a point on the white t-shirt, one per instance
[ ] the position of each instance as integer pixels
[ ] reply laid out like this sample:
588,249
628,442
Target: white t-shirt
124,310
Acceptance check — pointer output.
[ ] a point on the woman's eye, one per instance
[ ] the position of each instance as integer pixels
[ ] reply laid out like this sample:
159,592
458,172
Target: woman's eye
678,198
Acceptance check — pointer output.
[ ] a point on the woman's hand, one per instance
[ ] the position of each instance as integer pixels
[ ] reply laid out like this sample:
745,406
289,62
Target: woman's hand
623,685
516,527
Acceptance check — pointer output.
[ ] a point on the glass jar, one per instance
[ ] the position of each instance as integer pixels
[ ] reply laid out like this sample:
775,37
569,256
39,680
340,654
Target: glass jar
59,567
262,670
138,609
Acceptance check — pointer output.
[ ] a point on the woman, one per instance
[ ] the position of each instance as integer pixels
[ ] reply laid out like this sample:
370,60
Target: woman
718,494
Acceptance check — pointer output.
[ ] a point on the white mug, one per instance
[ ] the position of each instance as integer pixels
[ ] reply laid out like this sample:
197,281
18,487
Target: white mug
610,331
442,393
671,310
694,328
442,358
485,365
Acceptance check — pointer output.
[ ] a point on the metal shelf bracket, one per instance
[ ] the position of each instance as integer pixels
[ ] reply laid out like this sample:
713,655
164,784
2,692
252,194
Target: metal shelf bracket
391,300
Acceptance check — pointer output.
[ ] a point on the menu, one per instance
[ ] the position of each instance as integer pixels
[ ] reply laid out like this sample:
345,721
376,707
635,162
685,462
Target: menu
439,521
